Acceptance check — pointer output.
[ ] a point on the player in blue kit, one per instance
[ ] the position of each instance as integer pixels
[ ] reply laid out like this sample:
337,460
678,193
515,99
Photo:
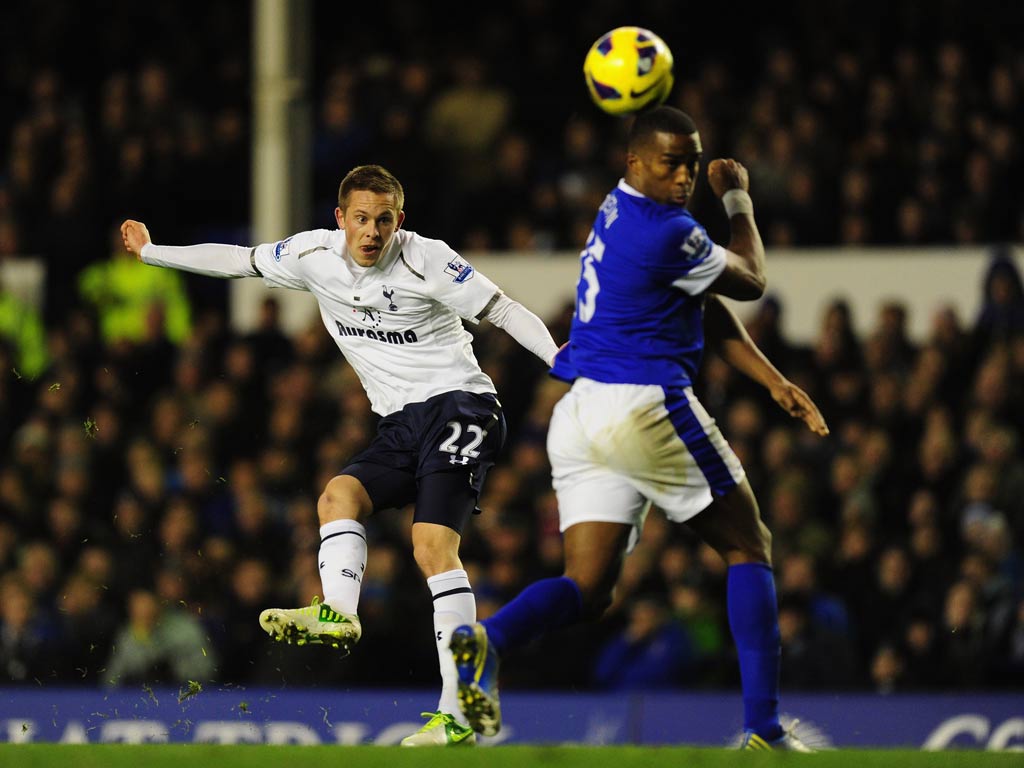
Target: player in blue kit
631,432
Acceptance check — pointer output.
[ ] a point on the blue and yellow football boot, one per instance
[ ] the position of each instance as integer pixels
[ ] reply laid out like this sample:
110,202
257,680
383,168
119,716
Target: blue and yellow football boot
477,664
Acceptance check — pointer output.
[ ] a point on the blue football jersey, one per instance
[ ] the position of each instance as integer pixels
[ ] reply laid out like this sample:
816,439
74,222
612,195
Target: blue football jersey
640,298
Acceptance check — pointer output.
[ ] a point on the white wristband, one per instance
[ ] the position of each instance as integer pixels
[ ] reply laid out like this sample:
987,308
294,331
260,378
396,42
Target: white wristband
737,201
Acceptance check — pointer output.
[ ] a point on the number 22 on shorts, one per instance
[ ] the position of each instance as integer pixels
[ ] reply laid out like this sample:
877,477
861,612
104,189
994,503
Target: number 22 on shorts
469,450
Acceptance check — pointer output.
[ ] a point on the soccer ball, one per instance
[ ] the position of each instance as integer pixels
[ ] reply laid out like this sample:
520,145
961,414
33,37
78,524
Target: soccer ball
627,70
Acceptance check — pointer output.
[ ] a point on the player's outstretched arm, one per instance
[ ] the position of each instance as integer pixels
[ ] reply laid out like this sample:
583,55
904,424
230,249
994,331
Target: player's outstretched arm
744,277
211,259
523,326
799,405
726,334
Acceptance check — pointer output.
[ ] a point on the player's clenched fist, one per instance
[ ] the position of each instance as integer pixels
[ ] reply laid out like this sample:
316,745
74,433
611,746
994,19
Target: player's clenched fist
135,236
724,175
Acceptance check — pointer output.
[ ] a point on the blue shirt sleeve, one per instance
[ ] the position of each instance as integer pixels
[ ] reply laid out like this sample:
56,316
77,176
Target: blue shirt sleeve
687,257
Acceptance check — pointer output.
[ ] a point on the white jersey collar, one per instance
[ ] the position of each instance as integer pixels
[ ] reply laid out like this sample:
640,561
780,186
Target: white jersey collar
623,186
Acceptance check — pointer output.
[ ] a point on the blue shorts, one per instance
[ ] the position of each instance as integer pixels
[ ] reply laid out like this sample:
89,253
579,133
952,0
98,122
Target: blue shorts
435,454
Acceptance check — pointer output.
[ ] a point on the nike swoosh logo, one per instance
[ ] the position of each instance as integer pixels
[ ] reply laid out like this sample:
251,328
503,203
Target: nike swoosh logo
637,94
457,736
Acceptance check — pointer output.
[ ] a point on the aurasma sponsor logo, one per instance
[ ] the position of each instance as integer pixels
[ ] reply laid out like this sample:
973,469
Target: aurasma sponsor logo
388,337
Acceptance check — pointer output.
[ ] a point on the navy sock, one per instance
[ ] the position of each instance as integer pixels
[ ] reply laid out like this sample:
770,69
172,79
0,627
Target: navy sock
542,607
754,620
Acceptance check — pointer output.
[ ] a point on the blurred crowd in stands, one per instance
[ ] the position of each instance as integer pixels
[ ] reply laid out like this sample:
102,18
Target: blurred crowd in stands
153,498
159,471
908,134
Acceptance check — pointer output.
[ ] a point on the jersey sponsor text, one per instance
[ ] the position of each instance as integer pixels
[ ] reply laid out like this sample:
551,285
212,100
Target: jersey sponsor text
390,337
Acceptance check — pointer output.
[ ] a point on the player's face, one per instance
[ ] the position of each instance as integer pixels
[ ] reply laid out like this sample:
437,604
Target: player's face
665,168
369,220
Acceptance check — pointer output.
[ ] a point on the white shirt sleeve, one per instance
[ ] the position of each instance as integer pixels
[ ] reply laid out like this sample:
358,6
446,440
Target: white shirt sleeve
211,259
704,273
278,263
454,282
523,326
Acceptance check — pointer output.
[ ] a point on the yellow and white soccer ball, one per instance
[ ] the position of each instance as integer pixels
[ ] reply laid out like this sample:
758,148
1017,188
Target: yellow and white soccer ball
628,70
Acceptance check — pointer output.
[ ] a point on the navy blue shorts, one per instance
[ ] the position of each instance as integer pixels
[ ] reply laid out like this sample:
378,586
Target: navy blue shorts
435,454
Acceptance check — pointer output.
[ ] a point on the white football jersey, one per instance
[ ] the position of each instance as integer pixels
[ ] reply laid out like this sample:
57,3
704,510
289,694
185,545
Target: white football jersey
397,322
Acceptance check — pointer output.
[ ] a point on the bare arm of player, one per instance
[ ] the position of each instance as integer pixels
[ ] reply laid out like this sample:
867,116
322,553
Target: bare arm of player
211,259
725,333
523,326
744,278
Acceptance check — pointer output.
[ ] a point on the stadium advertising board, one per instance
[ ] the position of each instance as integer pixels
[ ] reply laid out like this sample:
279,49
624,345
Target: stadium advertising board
236,715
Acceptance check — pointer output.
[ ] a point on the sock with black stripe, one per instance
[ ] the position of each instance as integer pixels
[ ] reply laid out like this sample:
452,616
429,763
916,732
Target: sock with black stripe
454,605
342,562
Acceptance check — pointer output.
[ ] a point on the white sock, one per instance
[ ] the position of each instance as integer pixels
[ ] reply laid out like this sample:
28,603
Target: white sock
454,605
342,562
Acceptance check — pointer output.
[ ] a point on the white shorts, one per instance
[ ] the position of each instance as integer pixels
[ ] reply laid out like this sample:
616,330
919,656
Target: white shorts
616,448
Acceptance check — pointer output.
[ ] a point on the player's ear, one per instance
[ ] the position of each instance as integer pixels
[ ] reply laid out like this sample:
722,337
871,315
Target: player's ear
401,218
339,216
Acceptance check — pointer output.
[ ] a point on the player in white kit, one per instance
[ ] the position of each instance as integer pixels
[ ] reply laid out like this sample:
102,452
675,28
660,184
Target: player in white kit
393,301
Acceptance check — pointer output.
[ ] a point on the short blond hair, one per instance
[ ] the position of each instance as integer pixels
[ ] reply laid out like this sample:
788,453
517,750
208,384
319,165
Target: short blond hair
370,178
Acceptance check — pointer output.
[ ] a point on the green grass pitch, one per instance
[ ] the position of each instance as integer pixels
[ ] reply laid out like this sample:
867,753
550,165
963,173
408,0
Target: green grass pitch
259,756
